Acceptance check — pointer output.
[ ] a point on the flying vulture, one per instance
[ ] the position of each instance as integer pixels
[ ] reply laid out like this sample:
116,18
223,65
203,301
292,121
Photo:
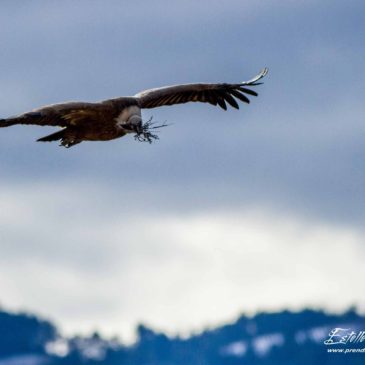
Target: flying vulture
114,118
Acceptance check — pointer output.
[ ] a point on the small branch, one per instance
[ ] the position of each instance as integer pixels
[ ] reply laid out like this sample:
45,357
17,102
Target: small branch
143,133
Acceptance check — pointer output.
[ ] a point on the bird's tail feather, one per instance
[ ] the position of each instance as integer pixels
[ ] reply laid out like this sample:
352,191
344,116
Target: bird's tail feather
53,137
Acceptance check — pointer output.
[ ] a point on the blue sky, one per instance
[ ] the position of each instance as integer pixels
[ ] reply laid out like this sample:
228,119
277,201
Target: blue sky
261,208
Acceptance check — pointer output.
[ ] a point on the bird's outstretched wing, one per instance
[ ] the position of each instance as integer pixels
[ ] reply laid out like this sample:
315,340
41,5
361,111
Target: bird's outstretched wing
215,94
62,115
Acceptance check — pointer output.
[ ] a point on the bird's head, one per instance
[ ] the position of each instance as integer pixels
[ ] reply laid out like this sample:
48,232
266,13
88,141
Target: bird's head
135,120
132,125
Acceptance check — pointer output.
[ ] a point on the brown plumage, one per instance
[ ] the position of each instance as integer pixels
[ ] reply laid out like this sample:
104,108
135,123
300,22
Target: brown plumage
115,118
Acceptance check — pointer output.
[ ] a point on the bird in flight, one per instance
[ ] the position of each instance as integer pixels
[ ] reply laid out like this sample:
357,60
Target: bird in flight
114,118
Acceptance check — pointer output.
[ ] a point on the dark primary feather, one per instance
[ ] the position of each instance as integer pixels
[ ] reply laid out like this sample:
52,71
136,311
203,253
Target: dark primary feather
215,94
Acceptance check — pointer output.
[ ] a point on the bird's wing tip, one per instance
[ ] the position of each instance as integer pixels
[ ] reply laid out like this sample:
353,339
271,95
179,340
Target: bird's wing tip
262,74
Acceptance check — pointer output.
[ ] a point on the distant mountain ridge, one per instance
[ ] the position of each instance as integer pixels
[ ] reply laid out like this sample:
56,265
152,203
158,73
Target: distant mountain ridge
284,338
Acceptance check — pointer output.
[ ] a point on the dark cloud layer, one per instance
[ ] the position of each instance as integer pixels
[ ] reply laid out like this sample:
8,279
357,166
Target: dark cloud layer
299,144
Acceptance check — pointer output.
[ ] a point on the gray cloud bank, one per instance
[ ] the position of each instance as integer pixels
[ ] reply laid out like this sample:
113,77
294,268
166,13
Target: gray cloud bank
299,143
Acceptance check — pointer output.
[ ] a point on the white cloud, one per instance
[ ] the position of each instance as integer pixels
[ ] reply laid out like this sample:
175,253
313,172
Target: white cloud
68,253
